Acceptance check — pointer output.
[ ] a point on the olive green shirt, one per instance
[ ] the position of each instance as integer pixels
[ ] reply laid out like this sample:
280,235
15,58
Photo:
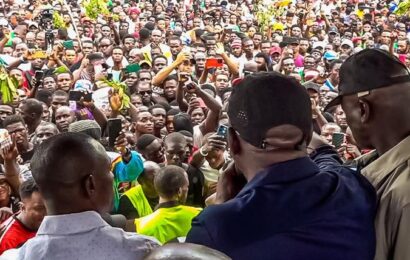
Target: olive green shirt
390,176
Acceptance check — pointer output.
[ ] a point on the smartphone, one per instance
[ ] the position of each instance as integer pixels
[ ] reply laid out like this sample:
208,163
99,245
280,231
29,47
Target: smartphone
88,97
114,128
214,63
75,95
39,75
222,131
338,139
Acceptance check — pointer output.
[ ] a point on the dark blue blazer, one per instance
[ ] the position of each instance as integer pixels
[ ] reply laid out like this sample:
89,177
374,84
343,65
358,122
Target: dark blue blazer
307,208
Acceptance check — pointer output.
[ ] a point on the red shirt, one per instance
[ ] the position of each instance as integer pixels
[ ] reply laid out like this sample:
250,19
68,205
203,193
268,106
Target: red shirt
13,234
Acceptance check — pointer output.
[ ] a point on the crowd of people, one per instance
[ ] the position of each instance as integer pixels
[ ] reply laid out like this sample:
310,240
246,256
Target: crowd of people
204,129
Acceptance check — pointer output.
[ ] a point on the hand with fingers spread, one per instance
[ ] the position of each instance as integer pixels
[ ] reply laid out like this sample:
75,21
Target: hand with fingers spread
220,49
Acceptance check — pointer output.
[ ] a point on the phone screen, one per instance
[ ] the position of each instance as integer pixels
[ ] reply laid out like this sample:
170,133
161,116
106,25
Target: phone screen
338,139
222,131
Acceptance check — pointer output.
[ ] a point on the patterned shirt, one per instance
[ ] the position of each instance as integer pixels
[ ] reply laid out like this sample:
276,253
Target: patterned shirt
84,235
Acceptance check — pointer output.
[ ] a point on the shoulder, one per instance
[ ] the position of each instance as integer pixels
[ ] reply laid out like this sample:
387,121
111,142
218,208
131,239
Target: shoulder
132,241
217,215
192,209
144,241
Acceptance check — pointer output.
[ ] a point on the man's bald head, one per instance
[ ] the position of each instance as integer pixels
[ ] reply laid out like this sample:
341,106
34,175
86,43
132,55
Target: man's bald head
73,173
185,251
250,66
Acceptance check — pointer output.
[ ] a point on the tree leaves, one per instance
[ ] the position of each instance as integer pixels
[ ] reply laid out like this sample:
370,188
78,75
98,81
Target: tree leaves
403,8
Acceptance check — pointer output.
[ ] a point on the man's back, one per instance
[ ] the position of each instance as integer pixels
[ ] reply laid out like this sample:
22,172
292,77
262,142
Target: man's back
294,210
84,236
167,223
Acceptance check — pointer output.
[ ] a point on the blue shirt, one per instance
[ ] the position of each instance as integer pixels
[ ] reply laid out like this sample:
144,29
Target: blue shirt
299,209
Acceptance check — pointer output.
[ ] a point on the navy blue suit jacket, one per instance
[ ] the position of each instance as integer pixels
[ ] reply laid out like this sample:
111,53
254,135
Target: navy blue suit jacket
300,209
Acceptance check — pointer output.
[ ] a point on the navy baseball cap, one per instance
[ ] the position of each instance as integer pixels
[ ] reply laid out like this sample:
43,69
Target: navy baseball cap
368,70
268,99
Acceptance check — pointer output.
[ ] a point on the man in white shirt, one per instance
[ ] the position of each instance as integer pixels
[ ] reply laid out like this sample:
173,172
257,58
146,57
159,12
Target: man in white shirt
73,173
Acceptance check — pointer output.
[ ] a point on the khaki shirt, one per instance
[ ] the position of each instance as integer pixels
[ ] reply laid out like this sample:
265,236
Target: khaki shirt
390,175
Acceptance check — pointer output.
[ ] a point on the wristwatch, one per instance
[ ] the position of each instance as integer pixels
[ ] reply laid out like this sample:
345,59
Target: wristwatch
201,151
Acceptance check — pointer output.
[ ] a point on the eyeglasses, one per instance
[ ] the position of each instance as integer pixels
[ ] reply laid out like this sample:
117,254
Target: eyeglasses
143,93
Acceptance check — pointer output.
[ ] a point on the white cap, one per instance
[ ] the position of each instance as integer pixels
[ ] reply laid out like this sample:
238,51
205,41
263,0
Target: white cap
319,44
347,42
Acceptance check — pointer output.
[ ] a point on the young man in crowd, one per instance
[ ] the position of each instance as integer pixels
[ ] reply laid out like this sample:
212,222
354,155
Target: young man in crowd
19,228
171,219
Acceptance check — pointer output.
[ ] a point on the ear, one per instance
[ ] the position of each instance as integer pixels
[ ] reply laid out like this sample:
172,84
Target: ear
365,111
22,206
89,185
134,125
233,142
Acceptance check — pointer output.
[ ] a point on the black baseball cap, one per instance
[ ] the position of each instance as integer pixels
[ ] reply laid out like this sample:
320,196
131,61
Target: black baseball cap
264,100
368,70
312,86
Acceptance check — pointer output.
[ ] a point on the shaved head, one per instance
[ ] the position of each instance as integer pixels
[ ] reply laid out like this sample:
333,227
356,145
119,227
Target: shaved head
185,251
72,171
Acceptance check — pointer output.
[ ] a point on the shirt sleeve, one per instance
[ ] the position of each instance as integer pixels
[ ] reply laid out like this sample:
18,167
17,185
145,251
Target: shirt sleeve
326,157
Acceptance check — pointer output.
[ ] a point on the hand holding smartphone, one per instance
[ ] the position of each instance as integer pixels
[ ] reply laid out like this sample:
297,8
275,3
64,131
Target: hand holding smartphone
338,139
114,127
213,63
222,132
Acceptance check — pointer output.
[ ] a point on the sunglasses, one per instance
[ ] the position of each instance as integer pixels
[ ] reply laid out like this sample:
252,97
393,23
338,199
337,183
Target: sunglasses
143,93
